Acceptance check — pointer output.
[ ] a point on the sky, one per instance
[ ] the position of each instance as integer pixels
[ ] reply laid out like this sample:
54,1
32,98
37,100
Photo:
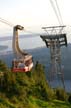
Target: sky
32,14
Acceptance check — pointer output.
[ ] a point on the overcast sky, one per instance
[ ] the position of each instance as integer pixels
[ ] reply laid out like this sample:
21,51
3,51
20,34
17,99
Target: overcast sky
33,14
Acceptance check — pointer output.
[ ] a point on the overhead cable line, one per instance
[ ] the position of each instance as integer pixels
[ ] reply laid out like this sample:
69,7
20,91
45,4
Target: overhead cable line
33,33
12,25
55,12
59,11
6,22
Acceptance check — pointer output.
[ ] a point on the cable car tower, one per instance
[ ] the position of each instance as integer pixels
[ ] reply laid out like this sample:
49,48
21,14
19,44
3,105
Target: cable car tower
55,39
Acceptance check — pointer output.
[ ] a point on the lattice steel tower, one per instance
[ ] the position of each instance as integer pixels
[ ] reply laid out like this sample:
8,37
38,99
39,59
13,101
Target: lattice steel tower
55,39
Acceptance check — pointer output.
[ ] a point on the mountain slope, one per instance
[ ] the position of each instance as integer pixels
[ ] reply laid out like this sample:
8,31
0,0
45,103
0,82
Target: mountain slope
42,55
29,90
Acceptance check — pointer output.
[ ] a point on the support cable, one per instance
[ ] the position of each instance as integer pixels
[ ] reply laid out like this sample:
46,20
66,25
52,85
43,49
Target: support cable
55,12
6,22
59,12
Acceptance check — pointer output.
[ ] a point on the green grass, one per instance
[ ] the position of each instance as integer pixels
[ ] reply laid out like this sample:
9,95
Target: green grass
33,102
21,90
49,104
4,103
